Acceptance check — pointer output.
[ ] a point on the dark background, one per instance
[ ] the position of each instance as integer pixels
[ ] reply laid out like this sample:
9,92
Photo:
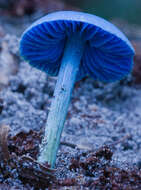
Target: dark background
125,9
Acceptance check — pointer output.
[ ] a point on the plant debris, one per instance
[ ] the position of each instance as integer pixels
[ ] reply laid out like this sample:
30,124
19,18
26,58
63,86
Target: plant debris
92,169
16,164
4,153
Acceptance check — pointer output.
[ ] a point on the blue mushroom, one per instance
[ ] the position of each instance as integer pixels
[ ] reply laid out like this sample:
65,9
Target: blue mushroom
72,45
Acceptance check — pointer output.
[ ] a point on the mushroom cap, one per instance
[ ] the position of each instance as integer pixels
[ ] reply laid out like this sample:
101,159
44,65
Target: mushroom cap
107,56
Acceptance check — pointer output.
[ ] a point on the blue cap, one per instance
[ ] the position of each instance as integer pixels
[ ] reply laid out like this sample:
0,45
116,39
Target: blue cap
108,54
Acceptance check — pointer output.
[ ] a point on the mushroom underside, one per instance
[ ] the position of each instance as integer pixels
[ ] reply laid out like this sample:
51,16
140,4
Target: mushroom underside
106,57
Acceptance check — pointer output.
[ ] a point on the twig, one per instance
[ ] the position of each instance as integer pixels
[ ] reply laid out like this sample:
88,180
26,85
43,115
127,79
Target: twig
120,140
72,145
4,130
69,144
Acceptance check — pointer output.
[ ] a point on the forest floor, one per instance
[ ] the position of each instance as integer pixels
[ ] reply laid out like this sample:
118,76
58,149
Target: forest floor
101,141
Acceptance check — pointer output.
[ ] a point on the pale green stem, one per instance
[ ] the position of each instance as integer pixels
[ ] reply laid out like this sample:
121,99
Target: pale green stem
59,107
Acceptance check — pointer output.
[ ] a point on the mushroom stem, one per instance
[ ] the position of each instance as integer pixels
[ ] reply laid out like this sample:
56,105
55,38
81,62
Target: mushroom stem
63,90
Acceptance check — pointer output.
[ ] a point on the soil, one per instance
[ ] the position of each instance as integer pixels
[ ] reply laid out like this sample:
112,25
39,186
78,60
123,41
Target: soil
101,141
